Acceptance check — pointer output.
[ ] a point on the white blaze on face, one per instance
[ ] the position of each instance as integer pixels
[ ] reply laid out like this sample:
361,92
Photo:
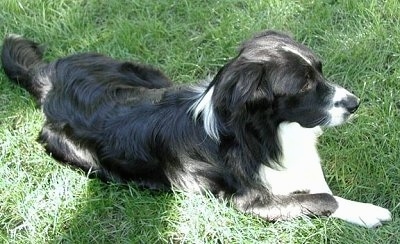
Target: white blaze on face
297,52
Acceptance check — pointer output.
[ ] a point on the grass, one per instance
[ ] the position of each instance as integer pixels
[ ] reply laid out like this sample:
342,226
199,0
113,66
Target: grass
359,41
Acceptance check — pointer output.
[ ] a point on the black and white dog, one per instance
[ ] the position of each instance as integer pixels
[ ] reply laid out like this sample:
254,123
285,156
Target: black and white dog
248,136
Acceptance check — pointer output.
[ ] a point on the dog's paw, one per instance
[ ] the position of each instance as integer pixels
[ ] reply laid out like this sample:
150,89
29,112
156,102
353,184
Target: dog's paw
363,214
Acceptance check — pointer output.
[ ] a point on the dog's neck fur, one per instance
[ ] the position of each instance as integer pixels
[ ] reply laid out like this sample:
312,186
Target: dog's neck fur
220,125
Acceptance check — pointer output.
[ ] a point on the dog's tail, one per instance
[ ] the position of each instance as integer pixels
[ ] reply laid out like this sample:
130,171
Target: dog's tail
21,59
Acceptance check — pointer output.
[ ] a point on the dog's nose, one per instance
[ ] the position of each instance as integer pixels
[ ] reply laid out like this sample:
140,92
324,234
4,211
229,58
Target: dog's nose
353,105
350,103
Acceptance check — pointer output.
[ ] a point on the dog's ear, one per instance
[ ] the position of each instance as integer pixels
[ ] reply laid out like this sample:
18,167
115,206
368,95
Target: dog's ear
241,83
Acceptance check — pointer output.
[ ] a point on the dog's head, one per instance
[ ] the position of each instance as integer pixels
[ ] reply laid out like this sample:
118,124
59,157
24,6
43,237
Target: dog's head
274,72
279,80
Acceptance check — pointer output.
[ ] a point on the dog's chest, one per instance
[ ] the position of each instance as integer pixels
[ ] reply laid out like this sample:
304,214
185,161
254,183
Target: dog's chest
300,169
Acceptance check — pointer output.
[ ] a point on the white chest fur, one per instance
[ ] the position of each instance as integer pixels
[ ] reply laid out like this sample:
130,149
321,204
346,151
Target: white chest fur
300,168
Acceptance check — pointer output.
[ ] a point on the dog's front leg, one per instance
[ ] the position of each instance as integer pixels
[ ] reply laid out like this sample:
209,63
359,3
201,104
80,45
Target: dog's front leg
364,214
282,207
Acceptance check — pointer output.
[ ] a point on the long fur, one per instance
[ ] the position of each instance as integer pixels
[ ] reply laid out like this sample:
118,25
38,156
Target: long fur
123,121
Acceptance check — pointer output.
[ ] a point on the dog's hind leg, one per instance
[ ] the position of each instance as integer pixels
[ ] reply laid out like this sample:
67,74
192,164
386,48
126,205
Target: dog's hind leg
59,146
144,75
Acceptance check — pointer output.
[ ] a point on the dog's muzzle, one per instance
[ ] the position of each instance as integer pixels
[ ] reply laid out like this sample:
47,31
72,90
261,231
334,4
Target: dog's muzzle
350,103
343,105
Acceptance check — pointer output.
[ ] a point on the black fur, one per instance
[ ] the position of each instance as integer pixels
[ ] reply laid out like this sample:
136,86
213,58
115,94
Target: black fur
124,121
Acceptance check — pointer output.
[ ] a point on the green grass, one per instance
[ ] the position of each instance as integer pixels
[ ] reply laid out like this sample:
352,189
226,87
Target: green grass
43,202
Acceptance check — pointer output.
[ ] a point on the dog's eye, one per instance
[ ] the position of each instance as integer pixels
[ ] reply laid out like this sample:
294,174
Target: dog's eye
307,86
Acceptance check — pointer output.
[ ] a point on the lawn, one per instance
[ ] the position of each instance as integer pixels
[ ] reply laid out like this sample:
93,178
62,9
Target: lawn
42,201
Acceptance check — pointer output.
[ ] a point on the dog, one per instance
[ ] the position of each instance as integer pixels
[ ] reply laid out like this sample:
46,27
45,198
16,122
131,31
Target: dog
248,135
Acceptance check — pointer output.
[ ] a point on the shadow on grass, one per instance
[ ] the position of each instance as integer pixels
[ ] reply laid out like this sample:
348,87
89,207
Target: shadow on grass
118,214
91,212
